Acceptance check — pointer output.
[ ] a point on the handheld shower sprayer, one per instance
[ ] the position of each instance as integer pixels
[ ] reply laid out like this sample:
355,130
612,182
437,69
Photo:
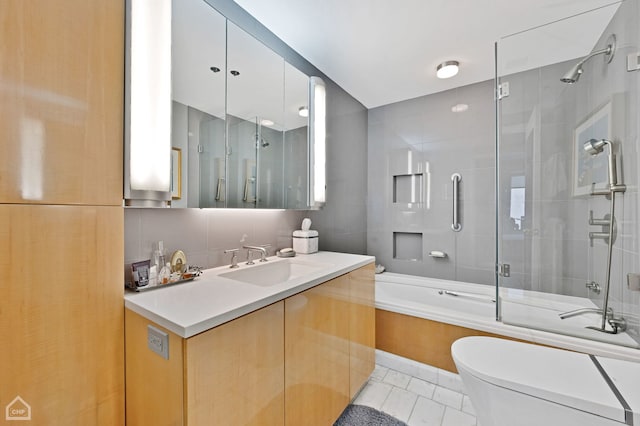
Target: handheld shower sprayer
595,147
573,75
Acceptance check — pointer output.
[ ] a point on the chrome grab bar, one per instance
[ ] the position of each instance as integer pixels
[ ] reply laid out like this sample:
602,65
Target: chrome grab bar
247,187
455,222
583,311
467,295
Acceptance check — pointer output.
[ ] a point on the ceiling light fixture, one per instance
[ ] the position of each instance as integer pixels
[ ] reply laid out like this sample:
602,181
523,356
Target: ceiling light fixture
266,122
303,111
447,69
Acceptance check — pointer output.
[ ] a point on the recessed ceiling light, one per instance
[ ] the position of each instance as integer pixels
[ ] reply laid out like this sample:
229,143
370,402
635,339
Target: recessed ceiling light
303,111
447,69
460,108
266,122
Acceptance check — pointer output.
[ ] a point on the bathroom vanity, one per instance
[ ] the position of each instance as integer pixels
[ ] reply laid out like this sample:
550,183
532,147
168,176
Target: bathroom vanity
288,341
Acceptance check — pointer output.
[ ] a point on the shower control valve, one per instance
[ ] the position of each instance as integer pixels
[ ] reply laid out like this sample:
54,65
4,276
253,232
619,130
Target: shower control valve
593,286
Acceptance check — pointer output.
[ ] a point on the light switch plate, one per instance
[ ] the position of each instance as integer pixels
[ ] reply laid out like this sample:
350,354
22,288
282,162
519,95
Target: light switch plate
158,341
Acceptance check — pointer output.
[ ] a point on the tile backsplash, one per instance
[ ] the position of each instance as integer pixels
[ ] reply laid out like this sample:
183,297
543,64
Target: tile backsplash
204,234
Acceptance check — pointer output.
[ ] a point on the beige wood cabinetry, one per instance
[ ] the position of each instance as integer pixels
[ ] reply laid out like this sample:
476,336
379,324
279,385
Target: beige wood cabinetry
317,353
61,102
154,384
430,340
230,375
329,346
362,326
235,373
296,362
61,316
61,215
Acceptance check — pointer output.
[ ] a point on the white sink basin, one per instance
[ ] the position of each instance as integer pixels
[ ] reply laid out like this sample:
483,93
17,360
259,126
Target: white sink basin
267,274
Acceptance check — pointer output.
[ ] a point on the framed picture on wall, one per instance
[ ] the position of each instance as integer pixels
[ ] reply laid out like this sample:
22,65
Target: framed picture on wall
176,173
587,169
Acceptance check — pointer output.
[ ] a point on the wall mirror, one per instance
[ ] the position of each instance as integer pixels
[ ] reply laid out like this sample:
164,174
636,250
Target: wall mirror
239,116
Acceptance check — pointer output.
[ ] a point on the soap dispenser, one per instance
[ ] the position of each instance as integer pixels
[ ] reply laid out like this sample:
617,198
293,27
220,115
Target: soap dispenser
165,274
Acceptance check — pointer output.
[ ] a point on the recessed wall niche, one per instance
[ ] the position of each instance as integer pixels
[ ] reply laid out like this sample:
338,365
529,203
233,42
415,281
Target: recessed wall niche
408,188
407,245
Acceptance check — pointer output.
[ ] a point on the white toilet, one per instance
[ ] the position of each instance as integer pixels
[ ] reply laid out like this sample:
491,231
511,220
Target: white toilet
520,384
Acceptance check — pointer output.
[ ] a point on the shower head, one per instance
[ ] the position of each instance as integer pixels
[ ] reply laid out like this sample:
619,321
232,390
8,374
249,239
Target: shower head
261,142
595,147
573,75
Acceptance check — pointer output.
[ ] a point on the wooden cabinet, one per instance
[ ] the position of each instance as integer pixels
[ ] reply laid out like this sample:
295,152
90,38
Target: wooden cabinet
61,215
61,102
232,374
317,354
235,372
329,347
61,319
296,362
362,328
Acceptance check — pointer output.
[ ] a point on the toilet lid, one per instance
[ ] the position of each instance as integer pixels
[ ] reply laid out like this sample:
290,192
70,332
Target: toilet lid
556,375
626,377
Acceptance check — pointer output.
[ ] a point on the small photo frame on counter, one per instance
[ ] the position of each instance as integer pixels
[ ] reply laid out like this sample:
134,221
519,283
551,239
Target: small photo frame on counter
140,273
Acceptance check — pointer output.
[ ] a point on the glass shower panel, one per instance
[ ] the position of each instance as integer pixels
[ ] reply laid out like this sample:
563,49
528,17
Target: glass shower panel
557,256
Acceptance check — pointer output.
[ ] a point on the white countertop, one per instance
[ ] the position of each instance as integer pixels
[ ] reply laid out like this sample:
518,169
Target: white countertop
210,300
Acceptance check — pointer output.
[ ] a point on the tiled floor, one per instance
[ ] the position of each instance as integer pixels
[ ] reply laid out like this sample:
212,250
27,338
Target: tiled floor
417,394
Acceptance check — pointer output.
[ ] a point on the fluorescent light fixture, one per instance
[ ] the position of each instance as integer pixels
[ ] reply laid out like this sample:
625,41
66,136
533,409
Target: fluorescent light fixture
148,103
460,108
447,69
317,142
303,111
266,122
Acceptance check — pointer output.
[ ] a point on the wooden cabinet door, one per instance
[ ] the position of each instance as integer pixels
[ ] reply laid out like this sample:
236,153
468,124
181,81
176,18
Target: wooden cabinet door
317,354
235,372
61,101
61,313
362,327
155,394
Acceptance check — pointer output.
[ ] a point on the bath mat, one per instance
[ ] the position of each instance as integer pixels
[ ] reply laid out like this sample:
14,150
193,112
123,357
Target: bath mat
360,415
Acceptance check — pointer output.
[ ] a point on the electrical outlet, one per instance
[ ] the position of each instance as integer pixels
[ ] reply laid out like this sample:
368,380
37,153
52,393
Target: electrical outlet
158,341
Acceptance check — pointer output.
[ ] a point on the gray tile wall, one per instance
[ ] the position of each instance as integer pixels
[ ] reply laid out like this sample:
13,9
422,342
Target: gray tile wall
553,253
424,136
342,222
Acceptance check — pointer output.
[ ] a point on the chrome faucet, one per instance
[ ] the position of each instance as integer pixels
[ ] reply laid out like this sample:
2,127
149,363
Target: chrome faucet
234,257
261,249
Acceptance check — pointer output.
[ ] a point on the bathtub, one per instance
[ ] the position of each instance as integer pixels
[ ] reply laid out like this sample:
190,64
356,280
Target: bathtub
470,309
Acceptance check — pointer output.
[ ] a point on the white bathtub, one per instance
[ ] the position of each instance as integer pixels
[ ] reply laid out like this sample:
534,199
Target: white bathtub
474,308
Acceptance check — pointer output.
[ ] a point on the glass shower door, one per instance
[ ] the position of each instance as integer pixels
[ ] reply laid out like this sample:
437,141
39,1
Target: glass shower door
552,253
